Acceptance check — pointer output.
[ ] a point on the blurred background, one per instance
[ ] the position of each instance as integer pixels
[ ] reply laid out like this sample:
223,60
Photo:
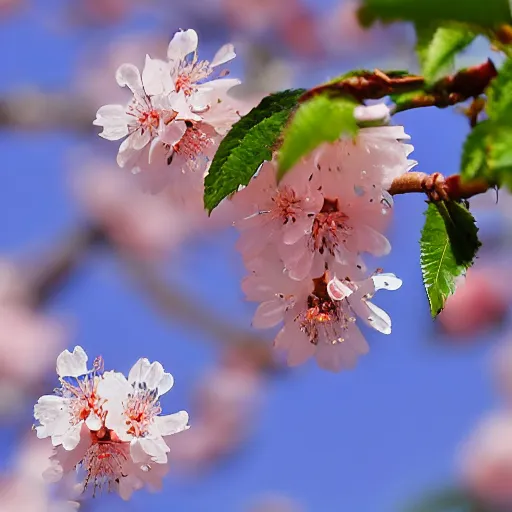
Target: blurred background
87,259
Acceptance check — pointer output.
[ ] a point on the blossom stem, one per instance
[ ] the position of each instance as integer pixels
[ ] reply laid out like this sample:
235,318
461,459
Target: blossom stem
437,187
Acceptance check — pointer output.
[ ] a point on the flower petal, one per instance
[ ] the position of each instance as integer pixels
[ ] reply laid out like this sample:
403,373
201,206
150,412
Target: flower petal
156,448
72,364
114,120
156,77
128,75
223,55
269,314
183,43
172,423
386,281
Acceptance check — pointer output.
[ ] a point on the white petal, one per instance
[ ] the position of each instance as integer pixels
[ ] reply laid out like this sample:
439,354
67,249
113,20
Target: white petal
171,135
372,113
386,282
225,54
129,75
151,374
183,43
127,154
156,448
179,104
375,317
139,139
114,120
156,77
71,438
53,413
172,423
72,364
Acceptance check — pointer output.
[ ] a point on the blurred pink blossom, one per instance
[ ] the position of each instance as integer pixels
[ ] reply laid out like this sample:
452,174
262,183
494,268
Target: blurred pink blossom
225,408
486,460
479,303
29,343
274,502
147,226
24,489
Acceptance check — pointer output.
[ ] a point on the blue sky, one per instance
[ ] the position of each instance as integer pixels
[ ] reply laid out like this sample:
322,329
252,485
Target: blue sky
365,440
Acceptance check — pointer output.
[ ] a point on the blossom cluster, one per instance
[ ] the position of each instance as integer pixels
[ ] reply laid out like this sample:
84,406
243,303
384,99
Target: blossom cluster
177,115
302,240
107,426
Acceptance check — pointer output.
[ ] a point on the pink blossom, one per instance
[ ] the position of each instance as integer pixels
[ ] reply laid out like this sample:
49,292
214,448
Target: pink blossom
147,226
24,488
272,213
486,461
37,340
319,314
479,303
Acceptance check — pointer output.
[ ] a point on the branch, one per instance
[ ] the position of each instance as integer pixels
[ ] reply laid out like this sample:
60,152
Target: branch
35,110
366,85
437,187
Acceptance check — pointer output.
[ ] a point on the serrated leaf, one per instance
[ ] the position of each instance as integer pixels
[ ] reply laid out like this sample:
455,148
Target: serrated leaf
475,152
438,55
244,160
423,12
449,243
253,137
320,119
499,102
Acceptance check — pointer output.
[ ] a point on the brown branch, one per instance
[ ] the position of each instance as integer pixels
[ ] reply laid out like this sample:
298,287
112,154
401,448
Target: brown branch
457,88
437,187
48,273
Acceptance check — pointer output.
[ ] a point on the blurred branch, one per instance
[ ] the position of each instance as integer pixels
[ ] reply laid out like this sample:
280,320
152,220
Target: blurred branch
178,305
48,273
52,271
35,110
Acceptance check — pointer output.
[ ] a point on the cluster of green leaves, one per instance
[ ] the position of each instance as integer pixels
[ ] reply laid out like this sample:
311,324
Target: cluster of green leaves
487,152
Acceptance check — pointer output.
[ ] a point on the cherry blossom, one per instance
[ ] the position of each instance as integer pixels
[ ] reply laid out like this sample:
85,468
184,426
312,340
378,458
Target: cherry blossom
107,429
319,314
133,410
177,115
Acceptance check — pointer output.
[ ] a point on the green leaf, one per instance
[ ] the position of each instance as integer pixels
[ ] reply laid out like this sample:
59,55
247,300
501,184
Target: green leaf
488,13
475,152
499,100
247,145
320,119
449,243
437,55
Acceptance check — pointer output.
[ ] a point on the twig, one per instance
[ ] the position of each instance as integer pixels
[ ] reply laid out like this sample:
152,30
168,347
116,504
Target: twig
437,187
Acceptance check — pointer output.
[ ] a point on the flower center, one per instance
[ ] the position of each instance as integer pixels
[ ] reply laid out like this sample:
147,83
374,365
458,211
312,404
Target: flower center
190,73
286,205
140,410
149,120
193,142
324,320
329,227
